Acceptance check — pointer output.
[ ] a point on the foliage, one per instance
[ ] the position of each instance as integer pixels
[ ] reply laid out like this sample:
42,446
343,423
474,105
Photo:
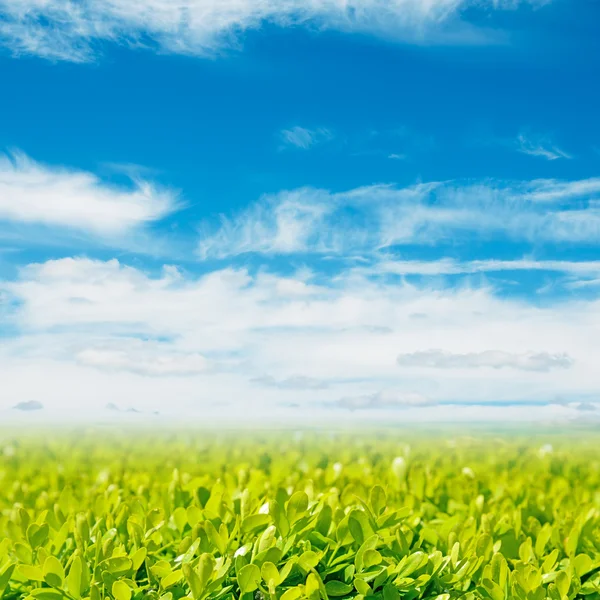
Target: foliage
292,517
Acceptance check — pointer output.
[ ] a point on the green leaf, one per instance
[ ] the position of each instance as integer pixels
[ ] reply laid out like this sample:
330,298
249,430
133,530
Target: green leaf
338,588
94,592
324,519
412,563
308,560
313,587
562,583
371,558
362,587
355,527
493,589
161,569
550,561
206,566
287,568
249,578
582,564
31,572
297,506
292,594
255,522
542,539
267,538
54,572
121,591
37,534
171,579
500,570
213,535
279,518
23,553
180,518
193,580
377,499
119,566
572,541
359,526
5,575
47,594
270,574
137,558
74,578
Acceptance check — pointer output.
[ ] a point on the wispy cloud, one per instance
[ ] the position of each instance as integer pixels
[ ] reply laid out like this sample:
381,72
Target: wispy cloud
282,224
35,194
540,146
492,359
71,29
303,138
373,218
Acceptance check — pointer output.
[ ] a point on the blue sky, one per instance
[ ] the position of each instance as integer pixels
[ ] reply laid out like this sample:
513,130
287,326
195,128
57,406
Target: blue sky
334,210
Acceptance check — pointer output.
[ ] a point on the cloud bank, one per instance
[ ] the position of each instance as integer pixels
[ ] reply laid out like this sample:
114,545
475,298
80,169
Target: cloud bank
252,343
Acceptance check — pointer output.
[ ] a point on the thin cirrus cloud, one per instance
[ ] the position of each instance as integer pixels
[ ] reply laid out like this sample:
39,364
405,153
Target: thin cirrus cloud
491,359
35,194
303,138
71,30
541,147
377,217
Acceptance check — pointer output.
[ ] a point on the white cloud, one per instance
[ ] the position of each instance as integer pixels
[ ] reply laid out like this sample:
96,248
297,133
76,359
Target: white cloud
36,194
303,138
540,147
185,345
492,359
369,219
71,29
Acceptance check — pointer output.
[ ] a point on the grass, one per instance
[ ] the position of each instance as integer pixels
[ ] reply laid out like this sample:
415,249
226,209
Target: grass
318,516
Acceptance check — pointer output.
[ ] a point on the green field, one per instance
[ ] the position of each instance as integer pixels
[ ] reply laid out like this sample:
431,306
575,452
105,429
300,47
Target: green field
383,515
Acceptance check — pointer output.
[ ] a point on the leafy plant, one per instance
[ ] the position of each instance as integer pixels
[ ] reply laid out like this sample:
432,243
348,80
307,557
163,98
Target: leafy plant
384,516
